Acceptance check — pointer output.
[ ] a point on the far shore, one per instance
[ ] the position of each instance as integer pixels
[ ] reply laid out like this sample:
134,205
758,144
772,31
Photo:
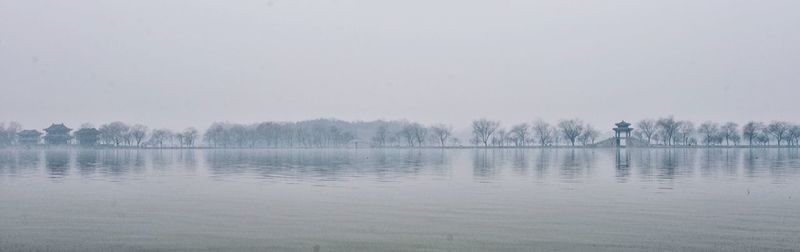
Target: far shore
50,147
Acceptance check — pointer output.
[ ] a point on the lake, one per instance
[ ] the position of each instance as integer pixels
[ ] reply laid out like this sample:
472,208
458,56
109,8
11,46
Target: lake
663,199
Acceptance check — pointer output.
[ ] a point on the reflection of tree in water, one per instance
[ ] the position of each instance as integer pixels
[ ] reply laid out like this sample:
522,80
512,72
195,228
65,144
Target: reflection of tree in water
519,163
121,161
330,164
162,159
7,161
753,160
668,164
676,162
413,161
188,158
790,163
576,163
440,162
57,162
716,160
543,162
13,162
710,159
28,159
16,161
642,161
484,164
731,162
571,163
224,161
87,161
778,162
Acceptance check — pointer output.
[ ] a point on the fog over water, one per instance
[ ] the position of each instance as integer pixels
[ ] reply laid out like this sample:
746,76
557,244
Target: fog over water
188,63
202,134
400,200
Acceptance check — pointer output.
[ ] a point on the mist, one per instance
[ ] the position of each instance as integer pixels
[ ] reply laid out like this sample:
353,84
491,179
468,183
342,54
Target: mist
176,64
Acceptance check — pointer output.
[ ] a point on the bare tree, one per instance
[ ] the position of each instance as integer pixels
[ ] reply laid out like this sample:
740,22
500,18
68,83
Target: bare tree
685,132
181,139
5,137
794,133
647,127
8,135
778,130
555,136
657,137
114,132
762,137
414,133
541,130
667,128
736,139
441,133
138,132
189,136
214,134
420,134
519,133
571,129
408,133
483,129
589,135
239,135
729,131
159,136
381,135
499,138
709,131
751,130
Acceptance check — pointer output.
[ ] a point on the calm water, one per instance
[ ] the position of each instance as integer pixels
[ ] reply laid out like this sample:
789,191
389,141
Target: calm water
400,200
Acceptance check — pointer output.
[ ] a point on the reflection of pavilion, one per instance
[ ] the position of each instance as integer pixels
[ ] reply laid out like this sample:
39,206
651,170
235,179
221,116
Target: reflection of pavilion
623,130
623,158
57,162
623,162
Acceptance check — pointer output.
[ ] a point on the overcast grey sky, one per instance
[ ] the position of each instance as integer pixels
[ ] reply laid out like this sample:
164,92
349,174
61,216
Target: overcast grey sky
185,63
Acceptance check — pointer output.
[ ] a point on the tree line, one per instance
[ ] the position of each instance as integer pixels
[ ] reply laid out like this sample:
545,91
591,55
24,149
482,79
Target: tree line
333,133
379,134
137,135
116,134
668,131
665,131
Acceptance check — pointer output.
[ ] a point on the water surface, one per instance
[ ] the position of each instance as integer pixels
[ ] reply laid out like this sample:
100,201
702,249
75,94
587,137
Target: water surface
400,200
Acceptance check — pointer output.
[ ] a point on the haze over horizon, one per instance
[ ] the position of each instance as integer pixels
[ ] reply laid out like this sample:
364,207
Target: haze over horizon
187,63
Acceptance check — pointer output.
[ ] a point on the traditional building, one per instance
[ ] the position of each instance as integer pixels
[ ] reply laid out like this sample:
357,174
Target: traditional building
622,133
87,136
29,137
57,134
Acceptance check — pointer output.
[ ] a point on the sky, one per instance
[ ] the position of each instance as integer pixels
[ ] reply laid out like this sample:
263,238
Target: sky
183,63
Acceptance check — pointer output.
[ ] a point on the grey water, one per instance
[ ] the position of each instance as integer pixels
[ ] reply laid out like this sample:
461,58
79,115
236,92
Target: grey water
400,200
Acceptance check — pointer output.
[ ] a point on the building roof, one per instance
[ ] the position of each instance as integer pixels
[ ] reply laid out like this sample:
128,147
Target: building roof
623,124
57,127
29,133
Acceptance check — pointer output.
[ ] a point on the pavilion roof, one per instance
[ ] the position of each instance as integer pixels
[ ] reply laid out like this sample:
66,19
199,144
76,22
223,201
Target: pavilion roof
57,127
29,133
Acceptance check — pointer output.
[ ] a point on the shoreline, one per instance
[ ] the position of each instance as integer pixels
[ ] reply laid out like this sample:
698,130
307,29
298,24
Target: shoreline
46,147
